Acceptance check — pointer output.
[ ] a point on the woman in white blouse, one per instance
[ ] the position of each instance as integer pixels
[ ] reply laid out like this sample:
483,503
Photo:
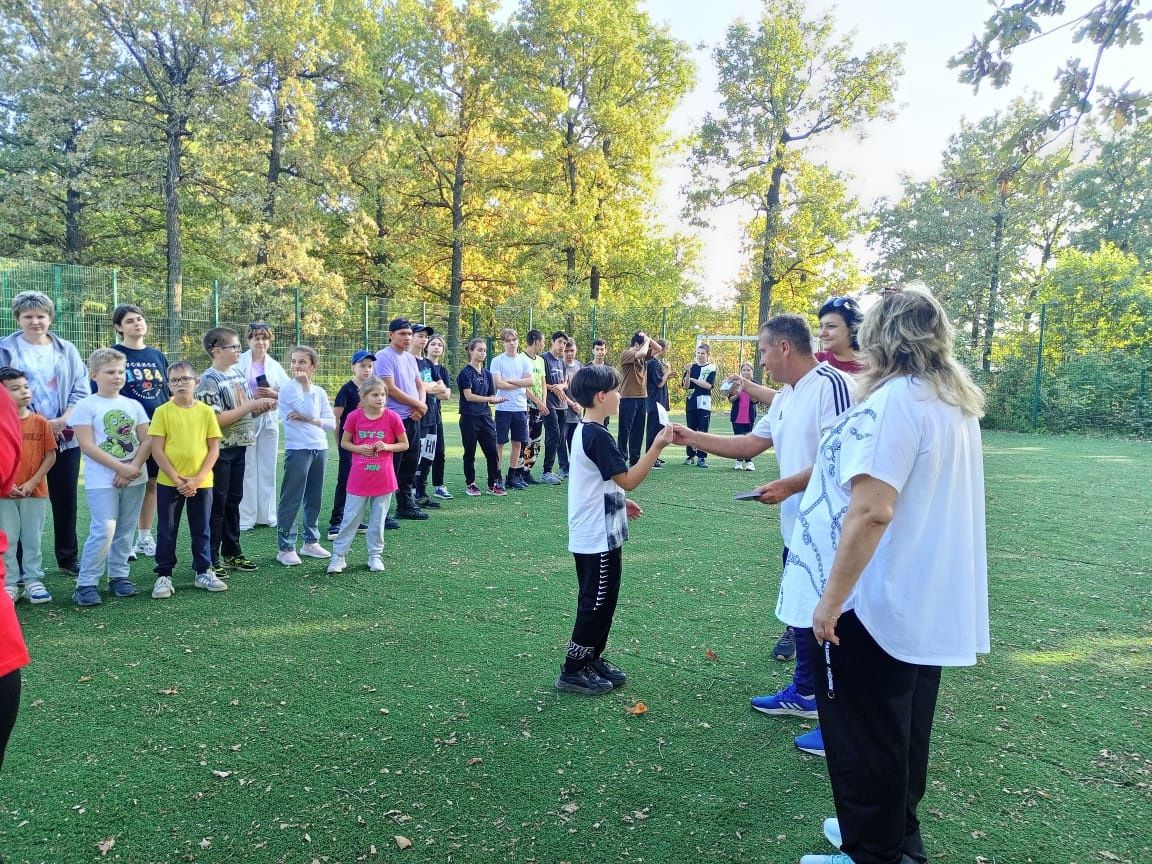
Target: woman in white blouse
265,378
888,562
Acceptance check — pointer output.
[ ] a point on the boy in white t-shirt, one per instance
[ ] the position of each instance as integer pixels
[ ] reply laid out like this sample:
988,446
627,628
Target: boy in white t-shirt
512,374
112,431
598,515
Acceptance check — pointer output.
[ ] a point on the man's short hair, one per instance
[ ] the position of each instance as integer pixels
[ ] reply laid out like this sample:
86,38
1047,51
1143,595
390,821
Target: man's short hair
533,337
599,343
508,333
216,335
11,373
789,328
102,357
590,380
559,334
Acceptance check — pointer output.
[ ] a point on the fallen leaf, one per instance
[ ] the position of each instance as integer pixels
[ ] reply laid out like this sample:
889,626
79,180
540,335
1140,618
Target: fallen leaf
206,843
570,807
385,711
402,842
475,760
84,679
221,774
105,845
711,655
638,708
168,691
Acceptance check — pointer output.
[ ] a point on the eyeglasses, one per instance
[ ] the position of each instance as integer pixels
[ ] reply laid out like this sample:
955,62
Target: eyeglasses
235,347
176,382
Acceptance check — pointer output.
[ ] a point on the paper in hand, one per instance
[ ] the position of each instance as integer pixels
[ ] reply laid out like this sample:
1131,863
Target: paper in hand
662,414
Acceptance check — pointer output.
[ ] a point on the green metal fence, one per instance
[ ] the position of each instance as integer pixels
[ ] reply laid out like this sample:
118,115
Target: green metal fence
1030,386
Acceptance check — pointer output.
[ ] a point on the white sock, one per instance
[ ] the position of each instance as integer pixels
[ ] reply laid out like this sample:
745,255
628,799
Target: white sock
144,532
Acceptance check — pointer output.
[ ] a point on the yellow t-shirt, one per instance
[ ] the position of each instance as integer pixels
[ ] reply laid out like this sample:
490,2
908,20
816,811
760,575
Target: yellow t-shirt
186,432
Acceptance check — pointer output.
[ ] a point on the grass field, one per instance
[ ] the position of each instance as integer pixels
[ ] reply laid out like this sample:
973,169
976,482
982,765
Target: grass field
306,718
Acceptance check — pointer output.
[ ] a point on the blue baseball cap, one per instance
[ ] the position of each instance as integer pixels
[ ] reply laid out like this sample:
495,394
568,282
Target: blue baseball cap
362,355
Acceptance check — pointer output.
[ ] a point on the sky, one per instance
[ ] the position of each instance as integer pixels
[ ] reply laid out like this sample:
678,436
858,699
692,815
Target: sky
930,100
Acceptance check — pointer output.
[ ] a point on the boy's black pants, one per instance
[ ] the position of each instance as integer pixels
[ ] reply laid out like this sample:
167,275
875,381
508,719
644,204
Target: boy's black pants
598,575
876,723
227,492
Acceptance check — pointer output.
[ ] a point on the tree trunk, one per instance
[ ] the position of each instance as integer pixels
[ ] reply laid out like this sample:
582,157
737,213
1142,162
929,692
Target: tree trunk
275,167
174,130
456,288
993,288
771,226
73,203
571,174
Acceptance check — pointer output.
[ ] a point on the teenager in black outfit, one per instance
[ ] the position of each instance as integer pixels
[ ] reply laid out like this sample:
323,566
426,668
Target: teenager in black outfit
477,392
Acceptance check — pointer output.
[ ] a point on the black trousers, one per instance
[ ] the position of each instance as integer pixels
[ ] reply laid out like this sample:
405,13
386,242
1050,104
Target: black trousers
598,576
407,463
652,428
336,517
876,716
630,438
169,505
479,429
63,483
432,468
9,708
700,421
569,431
555,446
227,491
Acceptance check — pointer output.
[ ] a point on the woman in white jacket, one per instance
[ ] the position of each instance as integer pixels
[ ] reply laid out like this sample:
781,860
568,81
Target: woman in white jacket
265,378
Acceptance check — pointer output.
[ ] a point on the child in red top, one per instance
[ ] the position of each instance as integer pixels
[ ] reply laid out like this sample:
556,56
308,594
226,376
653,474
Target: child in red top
372,434
13,654
25,507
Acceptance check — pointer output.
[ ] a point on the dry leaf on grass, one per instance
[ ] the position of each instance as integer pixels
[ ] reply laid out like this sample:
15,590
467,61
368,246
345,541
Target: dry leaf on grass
105,845
221,774
475,760
638,709
711,655
402,842
169,691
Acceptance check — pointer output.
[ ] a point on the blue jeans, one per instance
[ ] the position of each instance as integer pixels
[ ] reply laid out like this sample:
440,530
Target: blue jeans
169,505
115,513
303,484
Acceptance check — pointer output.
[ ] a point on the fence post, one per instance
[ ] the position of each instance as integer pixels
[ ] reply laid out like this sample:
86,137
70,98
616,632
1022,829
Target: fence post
475,323
531,311
57,285
424,312
663,322
297,314
366,314
115,289
1141,396
740,352
215,302
1039,368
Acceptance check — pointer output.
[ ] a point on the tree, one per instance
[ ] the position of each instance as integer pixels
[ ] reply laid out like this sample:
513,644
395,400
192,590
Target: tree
177,58
593,85
1101,25
783,83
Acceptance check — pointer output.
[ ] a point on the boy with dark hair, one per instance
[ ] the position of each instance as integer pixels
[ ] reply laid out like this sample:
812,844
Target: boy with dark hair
537,407
598,515
556,381
347,400
25,508
224,389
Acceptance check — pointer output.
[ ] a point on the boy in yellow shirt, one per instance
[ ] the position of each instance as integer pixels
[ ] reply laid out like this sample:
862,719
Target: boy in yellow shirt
185,444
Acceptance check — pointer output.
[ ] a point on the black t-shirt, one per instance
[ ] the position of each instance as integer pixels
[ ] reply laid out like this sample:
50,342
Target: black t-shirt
480,383
657,395
146,380
555,372
348,398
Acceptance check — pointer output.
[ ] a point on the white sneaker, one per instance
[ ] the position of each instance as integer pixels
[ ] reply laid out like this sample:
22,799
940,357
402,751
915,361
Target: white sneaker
288,558
315,550
210,582
739,466
35,593
337,564
163,589
748,466
146,545
832,832
13,592
375,564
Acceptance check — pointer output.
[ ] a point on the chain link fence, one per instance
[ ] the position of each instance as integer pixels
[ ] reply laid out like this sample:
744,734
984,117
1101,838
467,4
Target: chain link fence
1037,381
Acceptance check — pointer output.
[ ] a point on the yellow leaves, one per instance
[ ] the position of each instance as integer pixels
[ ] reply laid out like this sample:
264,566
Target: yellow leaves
637,709
402,842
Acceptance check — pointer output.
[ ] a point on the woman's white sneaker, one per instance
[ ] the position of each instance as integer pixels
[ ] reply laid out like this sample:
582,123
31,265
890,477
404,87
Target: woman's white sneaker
315,550
337,564
376,564
210,582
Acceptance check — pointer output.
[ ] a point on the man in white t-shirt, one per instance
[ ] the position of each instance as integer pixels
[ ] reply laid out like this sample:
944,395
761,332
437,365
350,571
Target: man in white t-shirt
813,396
511,373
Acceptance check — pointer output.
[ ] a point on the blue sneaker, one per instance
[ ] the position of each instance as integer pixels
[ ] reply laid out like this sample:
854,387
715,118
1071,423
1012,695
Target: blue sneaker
811,742
832,832
787,701
122,588
87,595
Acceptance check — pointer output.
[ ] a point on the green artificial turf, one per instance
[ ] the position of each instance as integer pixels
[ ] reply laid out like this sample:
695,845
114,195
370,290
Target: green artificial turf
302,717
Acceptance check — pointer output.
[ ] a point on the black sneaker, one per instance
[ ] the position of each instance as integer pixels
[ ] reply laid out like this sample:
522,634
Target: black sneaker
390,523
240,563
220,569
785,649
333,532
427,503
413,513
614,675
527,477
583,681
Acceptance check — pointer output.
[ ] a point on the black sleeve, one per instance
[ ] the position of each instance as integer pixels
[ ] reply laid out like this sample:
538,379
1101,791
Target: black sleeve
711,378
342,394
600,447
441,374
464,380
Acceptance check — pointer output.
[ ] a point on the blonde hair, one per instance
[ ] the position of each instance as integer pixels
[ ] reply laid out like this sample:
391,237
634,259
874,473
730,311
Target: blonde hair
102,357
371,385
908,333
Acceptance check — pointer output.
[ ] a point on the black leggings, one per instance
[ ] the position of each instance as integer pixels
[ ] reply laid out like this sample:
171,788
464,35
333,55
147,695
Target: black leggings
479,429
599,577
9,708
699,421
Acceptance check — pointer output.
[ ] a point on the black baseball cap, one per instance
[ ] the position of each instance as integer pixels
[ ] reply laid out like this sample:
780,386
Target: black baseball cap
399,324
423,328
